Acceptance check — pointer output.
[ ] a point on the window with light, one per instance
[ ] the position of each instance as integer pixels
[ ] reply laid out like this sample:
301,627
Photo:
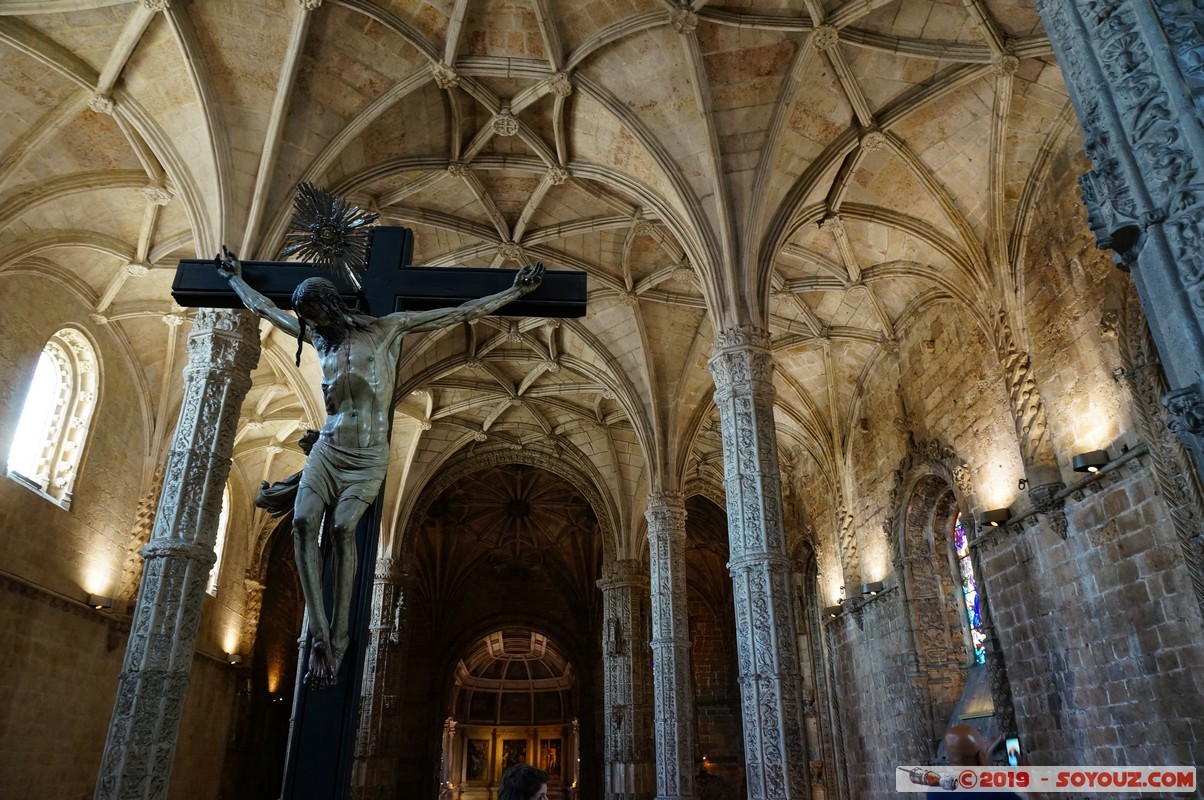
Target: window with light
48,444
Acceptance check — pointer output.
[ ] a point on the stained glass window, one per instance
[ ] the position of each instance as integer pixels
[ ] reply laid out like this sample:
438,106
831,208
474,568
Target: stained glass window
969,589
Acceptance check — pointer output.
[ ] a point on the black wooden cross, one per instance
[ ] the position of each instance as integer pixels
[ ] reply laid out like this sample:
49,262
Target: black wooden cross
322,739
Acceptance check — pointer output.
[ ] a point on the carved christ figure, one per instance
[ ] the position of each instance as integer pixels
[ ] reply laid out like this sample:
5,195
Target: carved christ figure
359,356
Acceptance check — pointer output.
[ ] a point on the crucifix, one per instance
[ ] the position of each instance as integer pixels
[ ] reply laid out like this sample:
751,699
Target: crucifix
358,353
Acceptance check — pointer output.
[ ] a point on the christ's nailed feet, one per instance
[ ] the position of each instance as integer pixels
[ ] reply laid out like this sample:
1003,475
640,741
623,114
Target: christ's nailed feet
323,667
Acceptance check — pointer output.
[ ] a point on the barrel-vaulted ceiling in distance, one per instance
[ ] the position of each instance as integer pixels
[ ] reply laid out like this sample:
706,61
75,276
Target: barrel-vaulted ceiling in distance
824,169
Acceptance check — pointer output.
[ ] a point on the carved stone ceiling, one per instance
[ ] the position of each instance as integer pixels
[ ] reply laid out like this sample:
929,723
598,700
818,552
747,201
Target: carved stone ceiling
823,169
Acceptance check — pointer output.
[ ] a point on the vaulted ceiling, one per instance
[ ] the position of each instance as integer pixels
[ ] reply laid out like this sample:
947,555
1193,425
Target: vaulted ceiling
823,169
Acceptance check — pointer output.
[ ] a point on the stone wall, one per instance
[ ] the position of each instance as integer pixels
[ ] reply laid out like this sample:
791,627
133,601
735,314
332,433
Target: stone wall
874,695
60,673
1104,644
716,690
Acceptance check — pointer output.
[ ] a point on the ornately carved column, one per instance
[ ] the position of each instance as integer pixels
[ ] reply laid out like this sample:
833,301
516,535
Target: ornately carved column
222,350
673,694
774,745
1032,432
628,686
375,771
1133,71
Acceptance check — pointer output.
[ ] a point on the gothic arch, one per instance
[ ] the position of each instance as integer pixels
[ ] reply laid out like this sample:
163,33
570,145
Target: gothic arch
924,501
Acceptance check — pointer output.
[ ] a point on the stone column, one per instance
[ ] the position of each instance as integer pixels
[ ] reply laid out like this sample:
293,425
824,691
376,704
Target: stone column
674,696
374,773
1133,71
774,744
222,350
628,687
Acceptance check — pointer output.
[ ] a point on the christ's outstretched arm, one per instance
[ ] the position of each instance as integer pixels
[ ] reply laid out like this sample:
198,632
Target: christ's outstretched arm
527,280
231,269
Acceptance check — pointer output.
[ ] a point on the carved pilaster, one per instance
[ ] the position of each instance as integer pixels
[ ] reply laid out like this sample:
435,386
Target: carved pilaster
628,684
666,517
1177,482
375,773
144,520
774,745
1027,407
222,350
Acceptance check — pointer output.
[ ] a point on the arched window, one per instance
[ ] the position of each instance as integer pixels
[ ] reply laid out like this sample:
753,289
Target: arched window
961,548
219,545
50,436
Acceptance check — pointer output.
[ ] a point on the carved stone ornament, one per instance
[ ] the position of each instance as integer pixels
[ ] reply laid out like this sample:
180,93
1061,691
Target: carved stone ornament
159,195
511,251
831,223
135,270
557,175
504,124
961,479
155,5
1005,65
101,104
457,169
1047,500
310,5
825,37
560,84
683,20
872,141
445,76
1185,413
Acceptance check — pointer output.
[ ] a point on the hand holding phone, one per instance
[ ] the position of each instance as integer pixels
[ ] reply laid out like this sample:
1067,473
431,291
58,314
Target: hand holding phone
1013,749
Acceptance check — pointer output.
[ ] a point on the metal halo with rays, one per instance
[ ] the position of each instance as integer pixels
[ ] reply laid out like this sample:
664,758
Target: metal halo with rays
329,232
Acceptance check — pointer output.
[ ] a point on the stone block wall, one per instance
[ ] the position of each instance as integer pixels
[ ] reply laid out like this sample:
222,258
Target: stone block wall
716,690
1102,633
877,702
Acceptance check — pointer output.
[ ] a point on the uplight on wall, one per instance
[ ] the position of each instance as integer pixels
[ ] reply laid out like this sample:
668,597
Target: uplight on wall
833,611
871,589
1092,461
99,601
994,518
234,658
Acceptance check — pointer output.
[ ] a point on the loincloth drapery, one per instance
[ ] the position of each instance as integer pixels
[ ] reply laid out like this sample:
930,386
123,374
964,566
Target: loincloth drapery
334,473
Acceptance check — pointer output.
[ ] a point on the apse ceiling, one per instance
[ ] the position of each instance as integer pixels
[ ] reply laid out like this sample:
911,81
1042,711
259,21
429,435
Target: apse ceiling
823,169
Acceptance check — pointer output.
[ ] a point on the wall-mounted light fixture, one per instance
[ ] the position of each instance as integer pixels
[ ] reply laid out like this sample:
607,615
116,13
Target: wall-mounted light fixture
99,601
872,588
1093,461
833,611
234,658
995,517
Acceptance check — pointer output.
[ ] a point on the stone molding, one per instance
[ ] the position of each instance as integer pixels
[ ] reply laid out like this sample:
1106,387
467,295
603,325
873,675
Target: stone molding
1026,405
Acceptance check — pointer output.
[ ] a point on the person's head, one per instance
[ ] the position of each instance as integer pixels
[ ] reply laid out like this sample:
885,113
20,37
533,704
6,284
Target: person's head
964,746
317,303
523,782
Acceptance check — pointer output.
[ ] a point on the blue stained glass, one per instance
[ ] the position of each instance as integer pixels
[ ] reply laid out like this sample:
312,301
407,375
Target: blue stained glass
969,590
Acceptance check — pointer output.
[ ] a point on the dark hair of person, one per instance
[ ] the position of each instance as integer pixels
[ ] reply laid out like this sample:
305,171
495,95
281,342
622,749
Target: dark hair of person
323,294
521,782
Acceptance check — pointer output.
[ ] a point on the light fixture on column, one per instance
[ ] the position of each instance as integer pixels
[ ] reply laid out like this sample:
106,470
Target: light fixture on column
995,517
99,601
833,611
1093,461
234,658
872,588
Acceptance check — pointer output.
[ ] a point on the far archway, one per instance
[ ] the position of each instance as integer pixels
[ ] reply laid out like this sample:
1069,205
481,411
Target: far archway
514,701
